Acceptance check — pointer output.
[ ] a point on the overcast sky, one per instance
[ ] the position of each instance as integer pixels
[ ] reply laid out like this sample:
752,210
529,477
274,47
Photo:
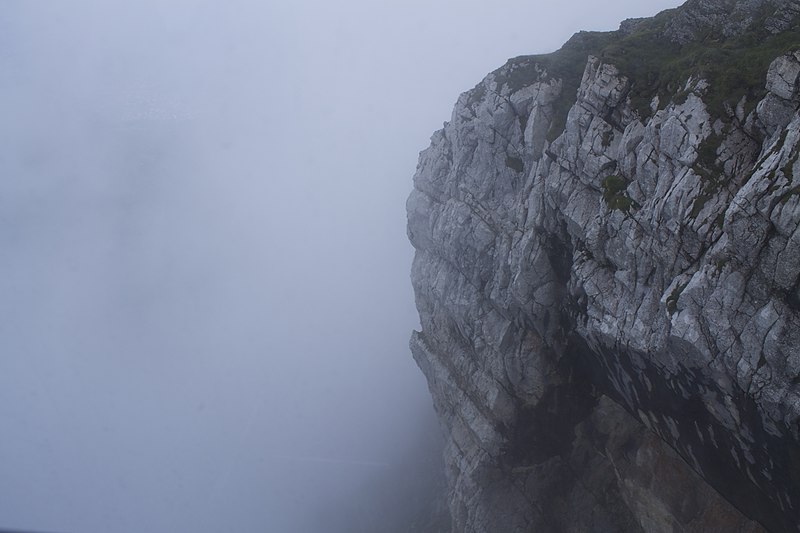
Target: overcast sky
204,293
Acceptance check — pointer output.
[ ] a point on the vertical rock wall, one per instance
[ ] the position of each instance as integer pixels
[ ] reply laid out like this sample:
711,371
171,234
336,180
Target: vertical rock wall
611,316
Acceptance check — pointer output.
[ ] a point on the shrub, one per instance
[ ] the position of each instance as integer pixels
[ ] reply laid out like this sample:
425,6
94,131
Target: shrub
614,194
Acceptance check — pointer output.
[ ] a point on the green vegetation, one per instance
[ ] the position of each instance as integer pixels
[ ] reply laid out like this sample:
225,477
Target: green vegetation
608,136
566,64
614,194
706,194
794,191
706,161
515,163
709,171
787,168
672,299
476,94
734,67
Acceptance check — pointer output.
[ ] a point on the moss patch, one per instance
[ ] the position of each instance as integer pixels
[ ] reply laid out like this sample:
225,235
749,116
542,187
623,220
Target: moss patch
706,161
734,67
706,167
515,163
674,296
615,195
606,138
794,191
787,169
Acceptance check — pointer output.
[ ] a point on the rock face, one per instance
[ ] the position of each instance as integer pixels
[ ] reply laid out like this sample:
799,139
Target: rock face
611,313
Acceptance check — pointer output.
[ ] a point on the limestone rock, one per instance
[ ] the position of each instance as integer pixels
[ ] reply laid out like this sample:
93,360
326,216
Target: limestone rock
610,317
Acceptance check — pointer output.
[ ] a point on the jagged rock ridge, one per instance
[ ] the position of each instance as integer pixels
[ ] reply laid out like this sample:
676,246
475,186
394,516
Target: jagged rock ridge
607,273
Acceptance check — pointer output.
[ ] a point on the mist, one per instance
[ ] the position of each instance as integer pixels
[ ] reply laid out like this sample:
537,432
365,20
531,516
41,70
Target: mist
204,294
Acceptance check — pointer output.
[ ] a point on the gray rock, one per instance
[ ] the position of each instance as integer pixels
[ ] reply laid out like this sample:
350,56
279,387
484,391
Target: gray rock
602,368
698,18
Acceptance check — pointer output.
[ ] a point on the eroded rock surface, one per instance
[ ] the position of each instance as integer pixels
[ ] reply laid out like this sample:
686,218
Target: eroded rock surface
611,316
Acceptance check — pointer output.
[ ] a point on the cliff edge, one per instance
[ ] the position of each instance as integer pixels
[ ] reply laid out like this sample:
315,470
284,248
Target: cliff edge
607,273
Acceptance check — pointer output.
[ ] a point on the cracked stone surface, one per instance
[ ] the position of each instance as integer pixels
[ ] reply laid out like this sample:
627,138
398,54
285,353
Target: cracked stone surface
599,369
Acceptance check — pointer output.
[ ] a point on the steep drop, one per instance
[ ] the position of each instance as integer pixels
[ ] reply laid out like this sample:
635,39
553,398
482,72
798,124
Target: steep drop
607,273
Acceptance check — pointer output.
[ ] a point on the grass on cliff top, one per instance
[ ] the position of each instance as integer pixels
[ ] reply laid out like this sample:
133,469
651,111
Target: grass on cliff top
734,67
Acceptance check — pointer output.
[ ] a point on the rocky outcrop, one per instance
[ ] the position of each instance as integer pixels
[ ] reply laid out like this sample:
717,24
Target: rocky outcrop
611,313
722,18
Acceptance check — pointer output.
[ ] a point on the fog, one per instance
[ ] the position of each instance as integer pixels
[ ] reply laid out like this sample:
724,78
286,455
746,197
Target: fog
204,293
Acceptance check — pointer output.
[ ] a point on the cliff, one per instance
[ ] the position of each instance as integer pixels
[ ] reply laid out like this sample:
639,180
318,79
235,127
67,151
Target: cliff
607,273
